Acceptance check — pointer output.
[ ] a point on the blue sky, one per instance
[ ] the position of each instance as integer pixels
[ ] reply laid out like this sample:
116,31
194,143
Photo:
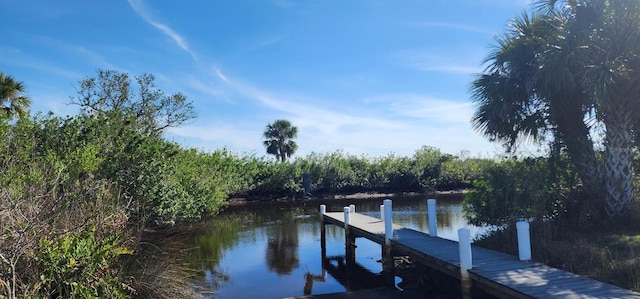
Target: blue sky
363,76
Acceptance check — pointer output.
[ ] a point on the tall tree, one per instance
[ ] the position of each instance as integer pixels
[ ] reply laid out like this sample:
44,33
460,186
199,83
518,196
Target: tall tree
278,139
12,99
151,110
568,66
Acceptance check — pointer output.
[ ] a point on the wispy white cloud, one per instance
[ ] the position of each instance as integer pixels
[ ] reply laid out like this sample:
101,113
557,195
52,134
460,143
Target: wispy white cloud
233,136
427,108
221,75
11,56
430,61
54,101
95,58
76,53
395,123
305,112
506,3
206,88
139,7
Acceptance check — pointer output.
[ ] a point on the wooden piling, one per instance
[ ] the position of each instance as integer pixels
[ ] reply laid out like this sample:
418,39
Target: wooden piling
466,260
323,236
387,256
349,239
524,240
433,217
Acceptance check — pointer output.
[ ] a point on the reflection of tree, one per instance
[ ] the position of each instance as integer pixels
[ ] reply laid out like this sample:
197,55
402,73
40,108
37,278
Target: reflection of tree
282,247
445,215
210,241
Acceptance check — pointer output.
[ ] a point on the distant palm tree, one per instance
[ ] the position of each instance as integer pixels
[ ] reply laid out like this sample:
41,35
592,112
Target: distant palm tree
12,101
278,139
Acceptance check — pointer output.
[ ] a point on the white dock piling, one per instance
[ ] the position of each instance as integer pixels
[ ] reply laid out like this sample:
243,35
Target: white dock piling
387,256
464,243
433,218
524,241
388,221
466,261
347,211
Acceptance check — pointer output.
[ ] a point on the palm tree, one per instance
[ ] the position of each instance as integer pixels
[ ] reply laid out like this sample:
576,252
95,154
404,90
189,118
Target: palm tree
570,61
522,94
12,102
612,77
278,139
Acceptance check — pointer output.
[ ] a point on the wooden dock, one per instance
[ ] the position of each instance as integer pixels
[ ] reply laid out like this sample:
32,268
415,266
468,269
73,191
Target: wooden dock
494,272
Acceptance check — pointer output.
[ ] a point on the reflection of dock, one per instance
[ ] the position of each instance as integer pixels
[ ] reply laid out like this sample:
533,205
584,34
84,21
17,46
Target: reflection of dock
496,273
377,293
353,276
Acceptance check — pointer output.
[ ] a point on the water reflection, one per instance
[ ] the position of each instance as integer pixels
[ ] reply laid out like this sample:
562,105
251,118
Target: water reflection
211,241
273,250
353,276
282,245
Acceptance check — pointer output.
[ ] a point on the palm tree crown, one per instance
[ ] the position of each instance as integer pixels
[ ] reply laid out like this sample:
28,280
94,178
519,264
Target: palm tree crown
278,139
12,102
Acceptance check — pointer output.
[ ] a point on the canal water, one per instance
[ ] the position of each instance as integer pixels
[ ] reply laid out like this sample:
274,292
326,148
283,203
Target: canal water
272,250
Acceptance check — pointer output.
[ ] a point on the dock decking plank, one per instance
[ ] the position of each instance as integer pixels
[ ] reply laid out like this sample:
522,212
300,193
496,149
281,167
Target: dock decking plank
495,270
553,282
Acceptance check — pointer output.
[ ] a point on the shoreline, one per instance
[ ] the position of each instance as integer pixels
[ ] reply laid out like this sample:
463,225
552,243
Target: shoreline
247,200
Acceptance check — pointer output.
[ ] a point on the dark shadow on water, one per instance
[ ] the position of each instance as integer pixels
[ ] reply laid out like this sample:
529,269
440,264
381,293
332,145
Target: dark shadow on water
352,276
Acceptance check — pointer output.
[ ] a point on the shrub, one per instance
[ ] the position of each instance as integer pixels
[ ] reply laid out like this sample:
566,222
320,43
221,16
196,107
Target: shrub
531,188
80,266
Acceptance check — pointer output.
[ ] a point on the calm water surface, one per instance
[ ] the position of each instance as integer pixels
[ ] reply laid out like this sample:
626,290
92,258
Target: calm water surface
273,250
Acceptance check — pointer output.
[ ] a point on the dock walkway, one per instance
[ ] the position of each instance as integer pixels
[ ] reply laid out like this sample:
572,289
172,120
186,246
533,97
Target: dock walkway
497,273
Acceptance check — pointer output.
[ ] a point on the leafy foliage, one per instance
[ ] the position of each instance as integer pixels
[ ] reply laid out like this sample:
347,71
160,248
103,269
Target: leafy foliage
528,189
426,171
80,266
48,196
148,108
75,190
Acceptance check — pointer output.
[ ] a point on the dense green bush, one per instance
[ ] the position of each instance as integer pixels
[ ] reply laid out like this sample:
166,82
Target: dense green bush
516,189
460,173
76,191
338,172
80,265
61,223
